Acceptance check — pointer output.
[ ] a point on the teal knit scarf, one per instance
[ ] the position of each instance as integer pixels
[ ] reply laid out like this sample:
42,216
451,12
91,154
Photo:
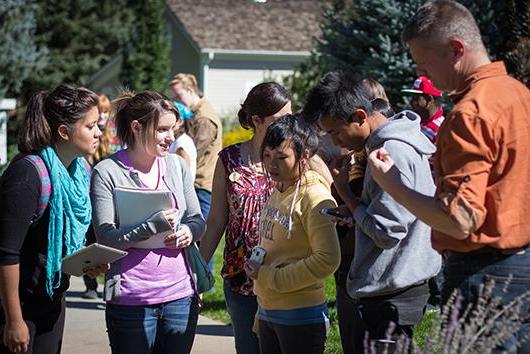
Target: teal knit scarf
70,212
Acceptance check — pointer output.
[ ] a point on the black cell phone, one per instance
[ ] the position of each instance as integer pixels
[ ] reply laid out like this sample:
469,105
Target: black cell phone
329,212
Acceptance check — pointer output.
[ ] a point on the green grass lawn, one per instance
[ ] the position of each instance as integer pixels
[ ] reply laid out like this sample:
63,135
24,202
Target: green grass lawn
214,308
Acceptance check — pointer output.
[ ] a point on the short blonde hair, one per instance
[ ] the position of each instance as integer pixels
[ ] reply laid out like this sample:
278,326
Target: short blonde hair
188,81
438,21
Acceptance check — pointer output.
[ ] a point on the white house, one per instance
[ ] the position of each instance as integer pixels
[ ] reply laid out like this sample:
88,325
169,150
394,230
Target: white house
231,45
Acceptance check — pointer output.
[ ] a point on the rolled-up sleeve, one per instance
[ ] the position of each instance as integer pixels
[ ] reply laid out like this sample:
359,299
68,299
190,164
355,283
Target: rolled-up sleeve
468,149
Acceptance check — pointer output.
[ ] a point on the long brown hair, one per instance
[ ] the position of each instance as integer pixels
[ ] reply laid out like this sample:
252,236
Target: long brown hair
47,110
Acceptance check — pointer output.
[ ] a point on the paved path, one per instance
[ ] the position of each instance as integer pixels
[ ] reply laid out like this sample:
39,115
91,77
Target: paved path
85,331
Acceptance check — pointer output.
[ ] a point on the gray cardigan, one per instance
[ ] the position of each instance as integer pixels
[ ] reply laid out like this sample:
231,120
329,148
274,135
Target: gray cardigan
111,173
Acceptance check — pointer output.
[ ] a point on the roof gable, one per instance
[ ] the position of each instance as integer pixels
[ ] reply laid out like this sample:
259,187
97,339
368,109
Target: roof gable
276,25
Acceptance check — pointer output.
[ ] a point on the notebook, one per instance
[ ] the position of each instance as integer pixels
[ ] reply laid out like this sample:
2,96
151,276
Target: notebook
135,205
92,255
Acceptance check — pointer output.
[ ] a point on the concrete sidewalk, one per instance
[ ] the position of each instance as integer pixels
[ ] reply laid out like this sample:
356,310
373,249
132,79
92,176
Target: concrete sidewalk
85,331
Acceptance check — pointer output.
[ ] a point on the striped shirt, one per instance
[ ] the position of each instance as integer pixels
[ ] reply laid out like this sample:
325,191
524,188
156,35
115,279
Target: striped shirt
431,127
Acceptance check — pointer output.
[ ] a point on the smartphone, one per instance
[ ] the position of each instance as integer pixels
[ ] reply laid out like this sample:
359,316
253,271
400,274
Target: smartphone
258,254
333,213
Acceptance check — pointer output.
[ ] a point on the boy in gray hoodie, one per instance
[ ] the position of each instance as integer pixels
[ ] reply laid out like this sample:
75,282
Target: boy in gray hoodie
393,257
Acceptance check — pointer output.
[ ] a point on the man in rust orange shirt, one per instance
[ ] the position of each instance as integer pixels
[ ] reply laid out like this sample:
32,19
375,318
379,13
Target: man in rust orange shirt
480,213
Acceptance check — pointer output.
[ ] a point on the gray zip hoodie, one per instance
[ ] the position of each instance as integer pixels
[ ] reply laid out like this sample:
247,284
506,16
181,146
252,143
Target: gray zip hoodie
393,248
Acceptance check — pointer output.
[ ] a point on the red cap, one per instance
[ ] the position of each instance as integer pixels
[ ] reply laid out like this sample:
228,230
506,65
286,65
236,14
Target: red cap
425,86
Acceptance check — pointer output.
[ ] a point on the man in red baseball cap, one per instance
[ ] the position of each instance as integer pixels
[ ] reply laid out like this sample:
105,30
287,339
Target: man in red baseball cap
426,101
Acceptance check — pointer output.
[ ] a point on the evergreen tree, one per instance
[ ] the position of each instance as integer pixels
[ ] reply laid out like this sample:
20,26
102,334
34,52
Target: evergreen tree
364,36
146,60
20,57
514,24
81,35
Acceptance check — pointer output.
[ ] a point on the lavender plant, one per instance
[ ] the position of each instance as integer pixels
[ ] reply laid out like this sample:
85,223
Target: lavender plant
477,328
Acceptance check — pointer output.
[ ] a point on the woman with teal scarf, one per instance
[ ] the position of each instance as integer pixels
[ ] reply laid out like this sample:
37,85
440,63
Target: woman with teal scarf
60,128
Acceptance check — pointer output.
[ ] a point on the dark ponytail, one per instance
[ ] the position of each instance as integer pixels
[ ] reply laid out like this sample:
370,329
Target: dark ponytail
47,110
263,100
36,132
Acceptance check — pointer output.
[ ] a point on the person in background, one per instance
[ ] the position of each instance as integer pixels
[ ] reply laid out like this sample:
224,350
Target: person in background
152,305
375,88
301,244
206,131
479,213
60,128
183,144
426,101
240,190
107,125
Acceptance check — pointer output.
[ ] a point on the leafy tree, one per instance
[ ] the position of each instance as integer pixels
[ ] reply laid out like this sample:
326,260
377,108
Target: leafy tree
146,60
20,57
81,35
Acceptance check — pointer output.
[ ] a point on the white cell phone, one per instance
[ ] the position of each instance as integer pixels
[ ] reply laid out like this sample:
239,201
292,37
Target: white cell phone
336,215
258,254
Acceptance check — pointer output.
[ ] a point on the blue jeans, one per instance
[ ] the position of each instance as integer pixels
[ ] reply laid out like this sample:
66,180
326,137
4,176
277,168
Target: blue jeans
162,328
205,202
468,271
242,310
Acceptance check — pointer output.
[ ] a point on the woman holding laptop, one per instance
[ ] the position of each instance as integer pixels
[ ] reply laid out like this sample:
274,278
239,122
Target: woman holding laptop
152,304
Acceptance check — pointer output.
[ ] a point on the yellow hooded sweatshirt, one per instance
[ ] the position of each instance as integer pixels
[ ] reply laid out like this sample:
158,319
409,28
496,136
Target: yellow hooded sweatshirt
297,262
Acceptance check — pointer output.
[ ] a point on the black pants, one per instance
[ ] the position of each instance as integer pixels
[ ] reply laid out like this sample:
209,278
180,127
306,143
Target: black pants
374,316
282,339
90,283
45,320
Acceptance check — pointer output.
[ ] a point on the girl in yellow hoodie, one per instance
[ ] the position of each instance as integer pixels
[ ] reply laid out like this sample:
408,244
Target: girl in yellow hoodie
301,245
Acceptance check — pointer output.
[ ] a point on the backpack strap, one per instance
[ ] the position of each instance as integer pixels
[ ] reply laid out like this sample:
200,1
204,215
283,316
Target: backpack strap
45,184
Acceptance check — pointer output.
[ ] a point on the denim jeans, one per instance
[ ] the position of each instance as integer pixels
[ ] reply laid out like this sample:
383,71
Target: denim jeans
242,310
205,202
165,328
511,274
